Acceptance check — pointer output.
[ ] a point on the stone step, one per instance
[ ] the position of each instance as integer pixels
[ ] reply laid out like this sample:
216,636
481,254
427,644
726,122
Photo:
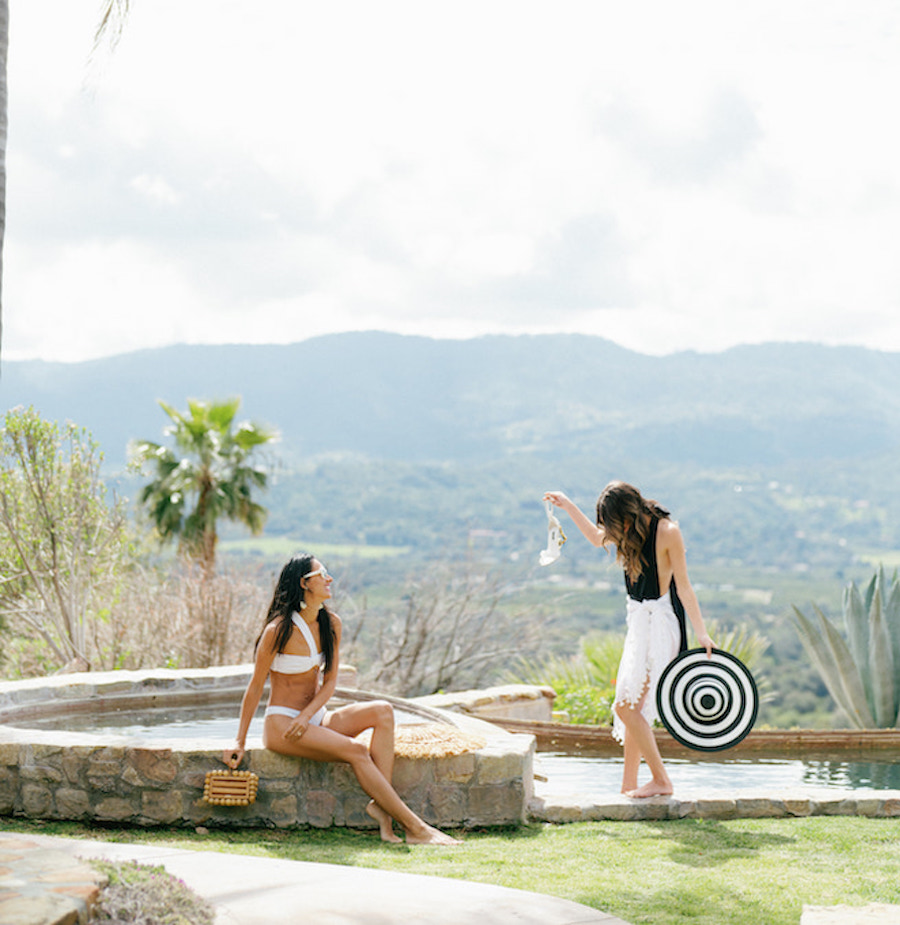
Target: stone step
547,805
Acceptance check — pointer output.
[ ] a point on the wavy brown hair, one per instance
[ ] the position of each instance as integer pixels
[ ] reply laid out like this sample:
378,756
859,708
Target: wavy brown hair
625,516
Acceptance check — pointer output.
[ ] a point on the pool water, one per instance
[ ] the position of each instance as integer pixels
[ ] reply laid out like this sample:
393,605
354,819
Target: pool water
195,722
589,776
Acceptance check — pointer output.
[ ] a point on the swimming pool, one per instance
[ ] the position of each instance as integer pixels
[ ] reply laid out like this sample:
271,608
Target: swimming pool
601,776
587,774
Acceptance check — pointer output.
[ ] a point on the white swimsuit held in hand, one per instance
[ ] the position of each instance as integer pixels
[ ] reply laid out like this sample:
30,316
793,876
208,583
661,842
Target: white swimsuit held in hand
555,537
284,663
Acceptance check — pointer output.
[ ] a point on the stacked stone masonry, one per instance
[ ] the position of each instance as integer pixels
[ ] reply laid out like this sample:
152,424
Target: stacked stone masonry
102,778
164,786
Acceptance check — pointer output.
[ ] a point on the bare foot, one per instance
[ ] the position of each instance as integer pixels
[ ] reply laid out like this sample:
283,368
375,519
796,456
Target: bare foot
431,836
385,823
653,788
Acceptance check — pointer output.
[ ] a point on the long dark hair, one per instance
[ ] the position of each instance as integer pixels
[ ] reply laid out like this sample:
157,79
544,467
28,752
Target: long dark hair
625,515
288,599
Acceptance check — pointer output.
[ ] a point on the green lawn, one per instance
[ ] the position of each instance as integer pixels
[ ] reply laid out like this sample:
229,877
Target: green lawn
740,872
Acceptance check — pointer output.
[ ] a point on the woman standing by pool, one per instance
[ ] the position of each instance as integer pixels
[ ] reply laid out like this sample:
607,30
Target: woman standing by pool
650,547
298,649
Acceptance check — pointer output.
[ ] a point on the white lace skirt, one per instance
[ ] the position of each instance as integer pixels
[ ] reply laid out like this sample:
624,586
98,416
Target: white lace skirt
651,642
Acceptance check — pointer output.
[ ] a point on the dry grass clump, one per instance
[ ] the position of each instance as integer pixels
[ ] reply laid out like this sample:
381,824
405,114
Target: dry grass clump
140,894
157,619
181,620
431,740
434,740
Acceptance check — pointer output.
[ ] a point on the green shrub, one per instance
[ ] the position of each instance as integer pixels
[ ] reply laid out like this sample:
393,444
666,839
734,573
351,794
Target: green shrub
585,683
588,705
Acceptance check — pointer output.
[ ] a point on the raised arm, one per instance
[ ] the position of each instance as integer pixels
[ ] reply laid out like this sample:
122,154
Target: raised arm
593,534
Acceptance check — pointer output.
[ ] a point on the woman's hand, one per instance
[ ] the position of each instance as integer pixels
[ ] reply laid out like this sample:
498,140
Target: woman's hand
556,498
595,535
233,756
704,640
296,728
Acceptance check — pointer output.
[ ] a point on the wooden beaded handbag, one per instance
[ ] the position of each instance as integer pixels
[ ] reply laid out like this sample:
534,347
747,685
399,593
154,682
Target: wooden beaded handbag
230,788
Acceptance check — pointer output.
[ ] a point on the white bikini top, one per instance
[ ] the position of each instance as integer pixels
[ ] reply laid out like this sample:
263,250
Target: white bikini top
297,664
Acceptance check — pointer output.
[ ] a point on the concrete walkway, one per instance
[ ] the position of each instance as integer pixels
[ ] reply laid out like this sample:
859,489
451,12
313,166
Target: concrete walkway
259,891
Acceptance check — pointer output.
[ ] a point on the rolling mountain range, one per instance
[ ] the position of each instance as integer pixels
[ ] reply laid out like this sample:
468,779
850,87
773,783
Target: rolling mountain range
394,397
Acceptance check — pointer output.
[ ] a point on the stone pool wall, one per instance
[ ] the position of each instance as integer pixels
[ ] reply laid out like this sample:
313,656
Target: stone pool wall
110,778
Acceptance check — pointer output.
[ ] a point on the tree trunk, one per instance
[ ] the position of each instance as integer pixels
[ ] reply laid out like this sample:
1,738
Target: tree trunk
208,543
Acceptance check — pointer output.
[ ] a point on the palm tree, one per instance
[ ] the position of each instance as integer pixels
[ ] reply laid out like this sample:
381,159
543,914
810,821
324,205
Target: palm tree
113,14
208,478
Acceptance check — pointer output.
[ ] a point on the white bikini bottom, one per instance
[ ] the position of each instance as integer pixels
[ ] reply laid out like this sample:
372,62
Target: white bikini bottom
291,712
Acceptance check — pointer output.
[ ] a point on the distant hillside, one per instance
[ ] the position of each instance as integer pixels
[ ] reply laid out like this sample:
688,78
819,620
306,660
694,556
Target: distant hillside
415,399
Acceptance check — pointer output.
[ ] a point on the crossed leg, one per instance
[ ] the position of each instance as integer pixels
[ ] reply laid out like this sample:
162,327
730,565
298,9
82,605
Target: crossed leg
326,743
377,715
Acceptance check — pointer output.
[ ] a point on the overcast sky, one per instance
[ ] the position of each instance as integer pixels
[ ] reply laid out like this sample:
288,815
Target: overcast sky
670,175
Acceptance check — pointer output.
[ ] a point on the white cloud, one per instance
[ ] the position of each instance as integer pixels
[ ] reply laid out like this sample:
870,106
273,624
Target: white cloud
156,189
672,176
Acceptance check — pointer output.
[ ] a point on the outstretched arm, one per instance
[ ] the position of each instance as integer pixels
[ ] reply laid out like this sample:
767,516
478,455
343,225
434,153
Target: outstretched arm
593,534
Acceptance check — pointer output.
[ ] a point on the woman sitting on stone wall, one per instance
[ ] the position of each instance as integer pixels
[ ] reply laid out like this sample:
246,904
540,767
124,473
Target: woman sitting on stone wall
298,649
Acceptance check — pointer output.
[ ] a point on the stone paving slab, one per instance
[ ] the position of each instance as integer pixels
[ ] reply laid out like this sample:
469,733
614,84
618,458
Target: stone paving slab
548,805
42,885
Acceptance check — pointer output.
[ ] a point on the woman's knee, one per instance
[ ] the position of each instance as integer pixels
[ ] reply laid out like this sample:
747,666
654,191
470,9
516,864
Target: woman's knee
376,714
382,713
356,752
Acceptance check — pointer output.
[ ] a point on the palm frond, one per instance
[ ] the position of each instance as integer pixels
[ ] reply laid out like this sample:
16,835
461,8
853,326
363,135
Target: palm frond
113,15
206,478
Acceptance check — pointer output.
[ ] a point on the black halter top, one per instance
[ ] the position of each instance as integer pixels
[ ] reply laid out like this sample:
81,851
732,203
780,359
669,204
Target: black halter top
646,587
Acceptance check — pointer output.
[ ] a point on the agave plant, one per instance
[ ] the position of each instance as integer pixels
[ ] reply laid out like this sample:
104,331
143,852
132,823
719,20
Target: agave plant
862,673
